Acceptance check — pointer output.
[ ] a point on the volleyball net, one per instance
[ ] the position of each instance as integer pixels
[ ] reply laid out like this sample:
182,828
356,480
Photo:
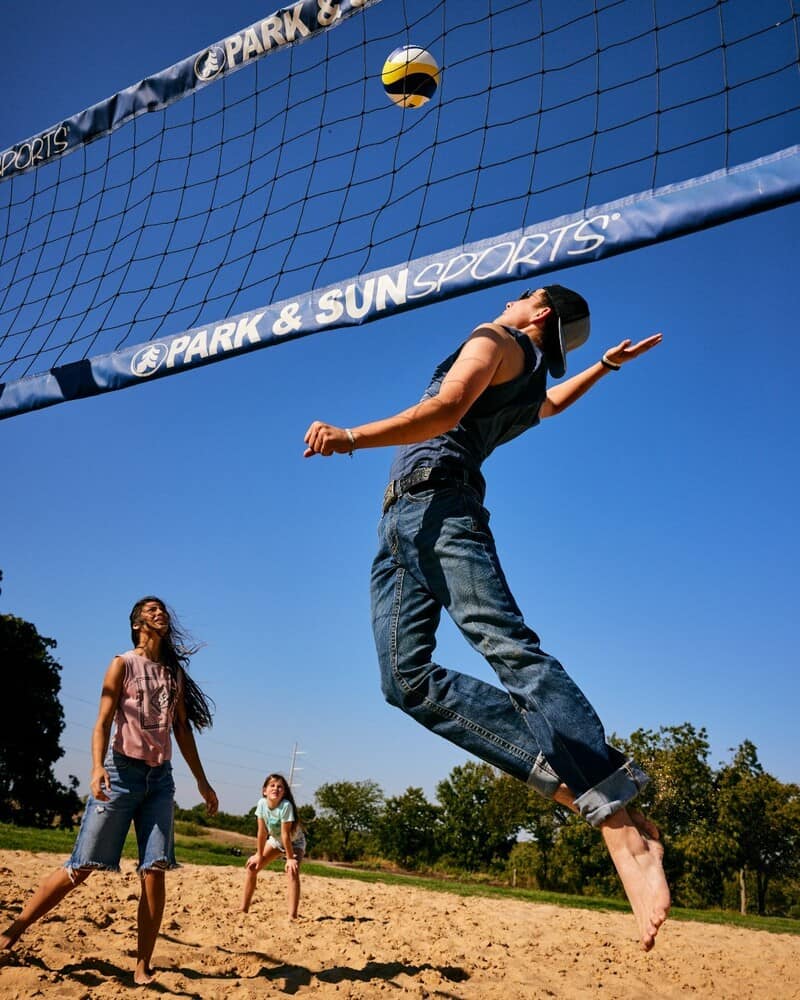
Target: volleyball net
263,190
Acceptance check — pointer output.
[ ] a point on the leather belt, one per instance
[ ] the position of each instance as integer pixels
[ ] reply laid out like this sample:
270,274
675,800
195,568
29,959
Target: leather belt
429,476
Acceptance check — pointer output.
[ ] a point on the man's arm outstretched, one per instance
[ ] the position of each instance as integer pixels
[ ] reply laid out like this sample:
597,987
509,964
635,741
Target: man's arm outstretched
560,396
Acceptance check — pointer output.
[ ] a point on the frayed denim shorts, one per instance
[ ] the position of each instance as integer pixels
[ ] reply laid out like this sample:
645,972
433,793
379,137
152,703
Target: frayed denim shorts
139,794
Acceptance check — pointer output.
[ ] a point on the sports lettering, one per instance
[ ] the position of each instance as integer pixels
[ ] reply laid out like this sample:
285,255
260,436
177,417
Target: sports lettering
514,255
285,26
355,304
511,257
225,337
281,28
34,151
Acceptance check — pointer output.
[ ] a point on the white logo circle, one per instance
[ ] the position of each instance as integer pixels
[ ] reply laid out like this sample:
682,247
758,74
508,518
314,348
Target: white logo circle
148,360
210,64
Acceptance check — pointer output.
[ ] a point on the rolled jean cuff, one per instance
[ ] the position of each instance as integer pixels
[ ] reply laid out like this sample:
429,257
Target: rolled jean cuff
612,793
543,778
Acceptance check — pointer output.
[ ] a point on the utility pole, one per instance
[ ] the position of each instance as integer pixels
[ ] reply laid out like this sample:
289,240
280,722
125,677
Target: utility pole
293,767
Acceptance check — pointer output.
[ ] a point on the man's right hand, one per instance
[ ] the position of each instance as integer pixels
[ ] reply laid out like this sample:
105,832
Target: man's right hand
325,439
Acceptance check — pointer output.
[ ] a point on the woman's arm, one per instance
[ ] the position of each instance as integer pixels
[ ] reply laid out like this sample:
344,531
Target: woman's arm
184,737
100,783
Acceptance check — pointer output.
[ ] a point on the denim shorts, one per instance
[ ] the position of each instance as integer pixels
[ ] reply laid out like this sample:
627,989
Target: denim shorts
140,794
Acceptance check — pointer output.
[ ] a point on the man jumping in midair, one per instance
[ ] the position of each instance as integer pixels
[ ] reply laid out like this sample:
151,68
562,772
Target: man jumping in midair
437,551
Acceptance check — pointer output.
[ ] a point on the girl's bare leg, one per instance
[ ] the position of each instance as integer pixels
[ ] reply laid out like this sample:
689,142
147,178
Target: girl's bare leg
250,876
49,894
151,910
293,891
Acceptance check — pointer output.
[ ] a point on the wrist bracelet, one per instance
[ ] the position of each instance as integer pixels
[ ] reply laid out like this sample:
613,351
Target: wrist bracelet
611,365
349,433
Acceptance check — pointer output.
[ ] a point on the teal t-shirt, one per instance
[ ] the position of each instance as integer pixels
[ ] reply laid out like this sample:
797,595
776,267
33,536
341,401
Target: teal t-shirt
282,813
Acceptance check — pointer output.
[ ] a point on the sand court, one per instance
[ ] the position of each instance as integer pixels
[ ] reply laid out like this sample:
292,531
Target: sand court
360,940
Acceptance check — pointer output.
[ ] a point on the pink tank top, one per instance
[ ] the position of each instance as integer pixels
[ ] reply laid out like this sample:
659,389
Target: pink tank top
145,710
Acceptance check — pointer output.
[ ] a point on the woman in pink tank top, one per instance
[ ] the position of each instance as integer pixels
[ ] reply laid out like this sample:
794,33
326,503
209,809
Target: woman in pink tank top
148,697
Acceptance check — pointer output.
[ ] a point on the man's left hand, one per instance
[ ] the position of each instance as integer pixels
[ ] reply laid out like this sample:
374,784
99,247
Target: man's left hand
626,351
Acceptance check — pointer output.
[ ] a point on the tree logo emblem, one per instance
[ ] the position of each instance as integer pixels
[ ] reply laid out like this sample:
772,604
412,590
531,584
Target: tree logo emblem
209,64
148,360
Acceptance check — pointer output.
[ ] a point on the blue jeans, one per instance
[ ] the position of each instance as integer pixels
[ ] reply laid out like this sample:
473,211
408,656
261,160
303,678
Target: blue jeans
140,794
437,551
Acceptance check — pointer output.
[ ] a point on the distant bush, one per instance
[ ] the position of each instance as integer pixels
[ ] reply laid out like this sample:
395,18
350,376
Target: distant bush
188,829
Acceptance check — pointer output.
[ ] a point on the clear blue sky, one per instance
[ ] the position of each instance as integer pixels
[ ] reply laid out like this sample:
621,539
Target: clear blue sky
649,534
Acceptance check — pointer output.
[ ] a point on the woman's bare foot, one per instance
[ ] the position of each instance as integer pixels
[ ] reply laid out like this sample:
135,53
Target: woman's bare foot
11,935
634,845
143,975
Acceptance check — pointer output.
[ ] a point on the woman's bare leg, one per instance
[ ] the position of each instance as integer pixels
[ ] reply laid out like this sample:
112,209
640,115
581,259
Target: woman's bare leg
151,910
49,894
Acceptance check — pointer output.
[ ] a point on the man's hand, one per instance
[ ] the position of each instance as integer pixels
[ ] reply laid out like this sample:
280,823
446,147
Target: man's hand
325,439
627,352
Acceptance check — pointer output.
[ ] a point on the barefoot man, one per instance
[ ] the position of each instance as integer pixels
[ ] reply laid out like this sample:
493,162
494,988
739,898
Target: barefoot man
437,551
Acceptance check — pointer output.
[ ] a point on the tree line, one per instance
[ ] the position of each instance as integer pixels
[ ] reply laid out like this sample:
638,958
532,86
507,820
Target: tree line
731,832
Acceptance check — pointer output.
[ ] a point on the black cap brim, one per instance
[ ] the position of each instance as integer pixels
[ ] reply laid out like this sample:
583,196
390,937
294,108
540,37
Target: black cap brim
572,328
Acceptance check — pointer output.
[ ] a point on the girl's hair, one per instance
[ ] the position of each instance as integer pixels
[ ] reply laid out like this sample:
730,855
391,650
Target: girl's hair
177,646
287,794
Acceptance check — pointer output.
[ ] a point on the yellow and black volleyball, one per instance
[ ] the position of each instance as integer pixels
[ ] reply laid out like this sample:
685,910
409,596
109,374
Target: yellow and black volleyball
410,76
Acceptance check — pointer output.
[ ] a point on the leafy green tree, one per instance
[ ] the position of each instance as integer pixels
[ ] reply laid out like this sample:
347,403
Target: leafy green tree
31,724
352,807
326,839
762,817
681,793
307,815
408,829
580,863
541,821
480,815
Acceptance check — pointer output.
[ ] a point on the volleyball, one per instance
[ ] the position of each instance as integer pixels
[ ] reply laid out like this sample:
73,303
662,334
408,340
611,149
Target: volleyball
410,76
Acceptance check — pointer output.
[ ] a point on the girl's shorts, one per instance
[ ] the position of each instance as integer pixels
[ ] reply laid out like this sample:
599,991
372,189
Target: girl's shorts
298,845
139,794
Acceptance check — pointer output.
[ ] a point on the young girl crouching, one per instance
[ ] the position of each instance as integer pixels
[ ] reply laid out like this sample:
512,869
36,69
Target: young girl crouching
279,833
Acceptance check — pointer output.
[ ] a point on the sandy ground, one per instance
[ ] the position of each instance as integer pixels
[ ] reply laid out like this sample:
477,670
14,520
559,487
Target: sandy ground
358,940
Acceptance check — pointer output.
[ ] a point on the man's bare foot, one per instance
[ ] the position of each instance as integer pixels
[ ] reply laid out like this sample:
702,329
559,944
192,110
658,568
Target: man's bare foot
143,975
645,826
632,841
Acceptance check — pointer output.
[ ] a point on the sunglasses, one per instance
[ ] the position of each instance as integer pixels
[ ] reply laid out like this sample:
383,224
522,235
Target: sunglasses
532,291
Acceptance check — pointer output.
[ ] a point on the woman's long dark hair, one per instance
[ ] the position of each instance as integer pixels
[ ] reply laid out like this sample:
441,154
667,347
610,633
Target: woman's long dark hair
296,825
177,646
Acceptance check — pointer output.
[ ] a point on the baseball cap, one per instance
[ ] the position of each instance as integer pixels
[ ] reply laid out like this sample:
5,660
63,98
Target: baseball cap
572,330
